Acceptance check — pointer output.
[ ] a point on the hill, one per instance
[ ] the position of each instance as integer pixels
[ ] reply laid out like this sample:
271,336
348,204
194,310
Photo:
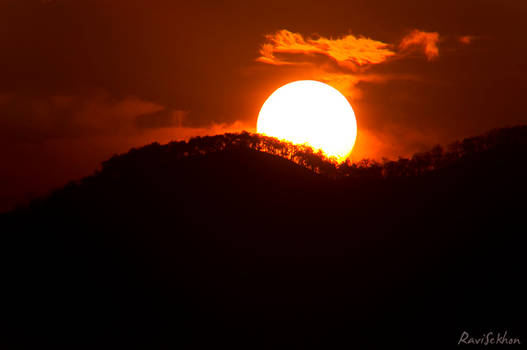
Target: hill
240,240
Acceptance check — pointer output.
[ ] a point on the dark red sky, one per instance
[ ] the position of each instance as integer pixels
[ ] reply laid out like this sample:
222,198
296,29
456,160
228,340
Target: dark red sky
84,79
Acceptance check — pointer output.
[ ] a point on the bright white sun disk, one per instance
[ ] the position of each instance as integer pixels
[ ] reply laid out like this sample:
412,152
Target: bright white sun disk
311,112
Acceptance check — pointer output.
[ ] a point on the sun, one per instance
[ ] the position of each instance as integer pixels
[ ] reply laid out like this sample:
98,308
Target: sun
313,113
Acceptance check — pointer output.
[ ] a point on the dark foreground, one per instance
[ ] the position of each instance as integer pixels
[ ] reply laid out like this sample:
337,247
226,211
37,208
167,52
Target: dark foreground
243,249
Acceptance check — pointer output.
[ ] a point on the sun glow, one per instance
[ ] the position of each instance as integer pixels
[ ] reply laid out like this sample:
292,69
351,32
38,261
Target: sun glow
313,113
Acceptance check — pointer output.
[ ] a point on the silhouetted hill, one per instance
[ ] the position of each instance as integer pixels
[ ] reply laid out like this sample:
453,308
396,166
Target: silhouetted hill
239,240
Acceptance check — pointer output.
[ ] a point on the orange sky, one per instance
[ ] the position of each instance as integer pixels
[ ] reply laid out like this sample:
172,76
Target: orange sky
82,80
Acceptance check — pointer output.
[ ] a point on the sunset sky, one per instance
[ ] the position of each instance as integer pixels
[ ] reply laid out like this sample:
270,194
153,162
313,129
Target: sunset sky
82,80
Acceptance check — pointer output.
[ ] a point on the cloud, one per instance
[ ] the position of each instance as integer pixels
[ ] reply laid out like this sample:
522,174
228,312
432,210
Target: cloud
342,62
38,119
466,39
60,116
426,40
345,83
348,51
163,119
62,138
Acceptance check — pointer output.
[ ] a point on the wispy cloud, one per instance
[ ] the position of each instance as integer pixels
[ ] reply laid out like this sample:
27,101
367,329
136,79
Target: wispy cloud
345,59
422,40
61,138
348,51
466,39
164,118
39,119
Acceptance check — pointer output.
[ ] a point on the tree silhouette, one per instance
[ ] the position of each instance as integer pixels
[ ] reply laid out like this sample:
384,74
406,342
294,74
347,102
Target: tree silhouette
244,237
420,163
